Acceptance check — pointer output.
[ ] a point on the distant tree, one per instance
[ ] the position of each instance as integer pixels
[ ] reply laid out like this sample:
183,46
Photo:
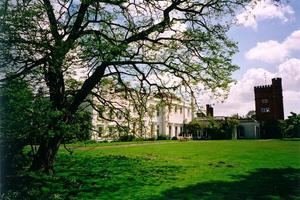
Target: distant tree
143,42
251,114
221,129
235,116
291,126
195,127
228,126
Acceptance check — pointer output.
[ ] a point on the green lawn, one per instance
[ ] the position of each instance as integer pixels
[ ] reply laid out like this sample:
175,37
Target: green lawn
244,169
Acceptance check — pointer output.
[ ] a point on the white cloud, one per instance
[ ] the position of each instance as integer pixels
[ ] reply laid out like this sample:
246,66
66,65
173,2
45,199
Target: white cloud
261,10
290,71
293,41
241,98
273,51
270,52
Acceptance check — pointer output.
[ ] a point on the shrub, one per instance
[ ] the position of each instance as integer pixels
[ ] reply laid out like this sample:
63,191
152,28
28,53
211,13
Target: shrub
151,139
139,139
126,138
163,137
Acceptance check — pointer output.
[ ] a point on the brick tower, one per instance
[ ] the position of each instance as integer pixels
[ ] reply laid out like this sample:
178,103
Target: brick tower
269,106
209,110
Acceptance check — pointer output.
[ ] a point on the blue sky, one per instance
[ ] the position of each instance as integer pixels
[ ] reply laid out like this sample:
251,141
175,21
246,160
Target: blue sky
269,46
268,29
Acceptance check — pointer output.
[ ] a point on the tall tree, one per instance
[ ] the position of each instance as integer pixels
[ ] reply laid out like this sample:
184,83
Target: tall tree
143,43
290,127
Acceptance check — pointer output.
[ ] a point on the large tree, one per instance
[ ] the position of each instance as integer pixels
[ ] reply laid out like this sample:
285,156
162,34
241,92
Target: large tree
138,44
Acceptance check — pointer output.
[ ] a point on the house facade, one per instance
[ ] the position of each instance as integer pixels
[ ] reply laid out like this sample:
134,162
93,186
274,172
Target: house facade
155,117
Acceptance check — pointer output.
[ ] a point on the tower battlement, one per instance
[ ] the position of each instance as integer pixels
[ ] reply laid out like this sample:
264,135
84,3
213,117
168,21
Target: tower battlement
269,105
268,101
262,87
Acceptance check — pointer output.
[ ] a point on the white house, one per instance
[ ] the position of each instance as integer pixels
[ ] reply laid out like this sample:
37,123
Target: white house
157,116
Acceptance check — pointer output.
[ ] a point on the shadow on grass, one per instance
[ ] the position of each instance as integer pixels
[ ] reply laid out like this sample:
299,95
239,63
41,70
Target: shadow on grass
120,177
93,177
283,183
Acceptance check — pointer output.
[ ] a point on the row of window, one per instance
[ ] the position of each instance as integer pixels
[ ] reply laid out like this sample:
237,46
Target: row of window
117,114
112,129
177,109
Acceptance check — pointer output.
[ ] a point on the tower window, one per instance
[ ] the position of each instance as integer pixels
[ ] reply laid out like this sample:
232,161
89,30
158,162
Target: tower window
265,100
265,110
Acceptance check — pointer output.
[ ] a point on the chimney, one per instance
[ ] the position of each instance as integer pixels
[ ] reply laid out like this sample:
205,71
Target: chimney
209,110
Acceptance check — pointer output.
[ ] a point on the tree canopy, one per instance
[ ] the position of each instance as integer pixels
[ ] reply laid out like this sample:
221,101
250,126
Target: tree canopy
290,127
155,46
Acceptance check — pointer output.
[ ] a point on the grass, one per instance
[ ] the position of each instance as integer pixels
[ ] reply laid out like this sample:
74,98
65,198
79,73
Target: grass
243,169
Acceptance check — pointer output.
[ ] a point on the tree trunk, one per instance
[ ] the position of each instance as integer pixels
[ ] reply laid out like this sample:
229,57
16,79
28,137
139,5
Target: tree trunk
45,156
44,159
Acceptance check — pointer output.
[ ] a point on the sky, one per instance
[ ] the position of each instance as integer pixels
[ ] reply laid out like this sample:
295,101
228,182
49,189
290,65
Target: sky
268,38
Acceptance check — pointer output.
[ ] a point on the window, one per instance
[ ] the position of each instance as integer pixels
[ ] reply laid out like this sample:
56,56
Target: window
170,108
119,115
133,109
170,130
175,109
101,112
176,131
157,129
127,114
100,131
152,129
134,127
180,110
265,100
265,110
111,113
181,129
157,111
110,130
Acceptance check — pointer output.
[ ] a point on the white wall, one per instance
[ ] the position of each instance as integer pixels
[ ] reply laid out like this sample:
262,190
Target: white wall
163,120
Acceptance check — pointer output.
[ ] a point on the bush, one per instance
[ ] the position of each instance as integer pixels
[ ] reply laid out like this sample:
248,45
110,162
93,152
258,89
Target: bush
151,139
139,139
126,138
174,138
163,137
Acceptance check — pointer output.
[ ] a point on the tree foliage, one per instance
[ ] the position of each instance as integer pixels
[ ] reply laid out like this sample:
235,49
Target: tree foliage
212,128
155,46
15,124
25,117
290,127
251,114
